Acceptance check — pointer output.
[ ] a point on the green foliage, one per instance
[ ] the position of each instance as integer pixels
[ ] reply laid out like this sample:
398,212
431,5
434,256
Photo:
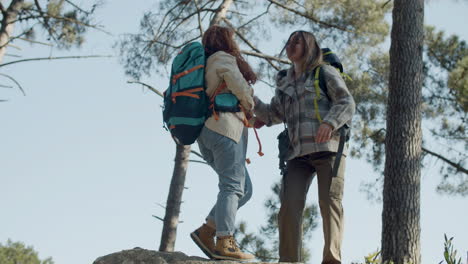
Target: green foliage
450,255
18,253
264,244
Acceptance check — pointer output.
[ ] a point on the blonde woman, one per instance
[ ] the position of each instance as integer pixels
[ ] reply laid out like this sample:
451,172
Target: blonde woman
313,144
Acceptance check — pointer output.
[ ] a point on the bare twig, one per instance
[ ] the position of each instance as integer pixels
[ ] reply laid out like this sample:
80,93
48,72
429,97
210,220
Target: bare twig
77,7
169,45
17,83
200,27
325,24
35,41
267,83
451,163
198,161
157,217
13,46
257,17
55,58
265,56
149,87
386,3
162,206
196,153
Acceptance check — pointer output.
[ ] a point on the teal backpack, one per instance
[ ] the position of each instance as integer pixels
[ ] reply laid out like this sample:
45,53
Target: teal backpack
186,105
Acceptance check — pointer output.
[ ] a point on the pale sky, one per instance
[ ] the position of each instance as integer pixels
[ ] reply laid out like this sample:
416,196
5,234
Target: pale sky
84,160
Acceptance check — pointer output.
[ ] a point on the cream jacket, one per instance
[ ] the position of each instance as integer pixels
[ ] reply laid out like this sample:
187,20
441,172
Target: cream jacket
220,67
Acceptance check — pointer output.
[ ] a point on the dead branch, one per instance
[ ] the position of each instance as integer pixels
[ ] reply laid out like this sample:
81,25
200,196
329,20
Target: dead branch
322,23
257,17
34,41
55,58
457,166
267,83
264,56
16,82
149,87
159,218
386,3
198,161
77,7
196,153
200,27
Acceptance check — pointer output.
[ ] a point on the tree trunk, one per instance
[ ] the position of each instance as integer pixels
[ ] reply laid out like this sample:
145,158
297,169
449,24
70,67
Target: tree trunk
401,195
221,13
6,29
174,199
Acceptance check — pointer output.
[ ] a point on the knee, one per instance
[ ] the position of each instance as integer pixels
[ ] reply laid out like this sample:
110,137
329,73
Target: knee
291,208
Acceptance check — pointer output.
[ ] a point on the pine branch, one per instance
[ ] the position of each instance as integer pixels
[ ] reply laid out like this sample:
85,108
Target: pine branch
55,58
305,15
457,166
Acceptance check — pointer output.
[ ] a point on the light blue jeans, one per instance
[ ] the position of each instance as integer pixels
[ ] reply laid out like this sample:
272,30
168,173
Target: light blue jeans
227,158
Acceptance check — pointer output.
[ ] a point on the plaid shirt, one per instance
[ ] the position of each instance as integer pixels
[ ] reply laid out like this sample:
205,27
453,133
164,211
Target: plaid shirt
293,104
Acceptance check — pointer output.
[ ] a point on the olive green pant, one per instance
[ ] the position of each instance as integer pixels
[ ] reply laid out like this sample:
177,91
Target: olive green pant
294,190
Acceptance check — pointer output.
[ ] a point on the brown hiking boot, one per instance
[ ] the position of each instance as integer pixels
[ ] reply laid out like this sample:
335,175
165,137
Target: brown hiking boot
204,238
226,248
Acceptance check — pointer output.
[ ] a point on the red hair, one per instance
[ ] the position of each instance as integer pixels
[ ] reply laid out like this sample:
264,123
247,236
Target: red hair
218,38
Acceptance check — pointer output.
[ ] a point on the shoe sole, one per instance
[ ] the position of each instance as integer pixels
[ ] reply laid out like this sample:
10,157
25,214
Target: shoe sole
220,257
200,245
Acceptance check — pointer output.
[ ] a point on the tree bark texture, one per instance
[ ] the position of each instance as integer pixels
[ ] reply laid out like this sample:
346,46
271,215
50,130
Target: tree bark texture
401,195
221,13
174,199
6,30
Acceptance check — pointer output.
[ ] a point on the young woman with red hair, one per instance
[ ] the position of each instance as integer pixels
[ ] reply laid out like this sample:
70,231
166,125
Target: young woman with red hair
223,143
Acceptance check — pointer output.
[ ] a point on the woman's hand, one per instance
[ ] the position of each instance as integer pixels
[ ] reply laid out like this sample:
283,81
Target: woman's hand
258,124
324,133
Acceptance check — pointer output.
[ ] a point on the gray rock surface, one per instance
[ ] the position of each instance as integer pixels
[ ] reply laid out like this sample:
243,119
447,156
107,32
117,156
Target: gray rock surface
145,256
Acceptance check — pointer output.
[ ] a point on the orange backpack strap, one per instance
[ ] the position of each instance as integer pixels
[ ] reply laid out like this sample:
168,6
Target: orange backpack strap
218,90
177,76
188,93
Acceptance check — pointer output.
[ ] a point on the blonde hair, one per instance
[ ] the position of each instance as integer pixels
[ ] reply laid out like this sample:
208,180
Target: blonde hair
313,56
